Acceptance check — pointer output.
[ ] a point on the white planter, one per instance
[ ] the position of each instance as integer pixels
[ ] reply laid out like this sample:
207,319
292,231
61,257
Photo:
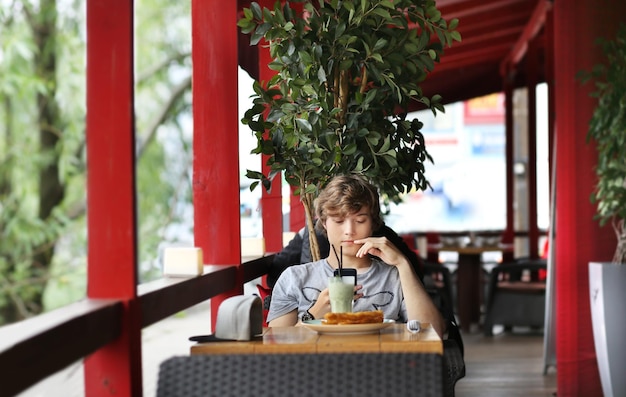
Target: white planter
607,289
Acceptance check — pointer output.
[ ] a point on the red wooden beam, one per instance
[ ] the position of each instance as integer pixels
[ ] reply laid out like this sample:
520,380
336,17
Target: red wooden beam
467,8
111,215
473,58
534,25
489,30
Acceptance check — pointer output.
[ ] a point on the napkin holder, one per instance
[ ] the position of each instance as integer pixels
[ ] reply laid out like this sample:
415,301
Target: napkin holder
239,318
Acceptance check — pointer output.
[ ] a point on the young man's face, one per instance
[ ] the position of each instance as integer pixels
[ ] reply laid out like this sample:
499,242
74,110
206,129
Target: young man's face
343,231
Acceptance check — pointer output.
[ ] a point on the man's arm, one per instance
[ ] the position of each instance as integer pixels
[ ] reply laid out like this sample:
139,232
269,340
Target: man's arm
287,320
395,239
419,305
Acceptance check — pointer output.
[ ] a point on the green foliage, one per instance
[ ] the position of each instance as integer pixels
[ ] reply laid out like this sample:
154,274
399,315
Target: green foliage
607,129
345,74
43,259
33,143
163,99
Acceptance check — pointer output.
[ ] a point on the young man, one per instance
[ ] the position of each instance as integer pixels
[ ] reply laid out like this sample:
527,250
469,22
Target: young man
298,252
348,210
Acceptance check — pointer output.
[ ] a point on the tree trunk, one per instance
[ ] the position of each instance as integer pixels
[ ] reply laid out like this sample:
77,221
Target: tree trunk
51,190
620,250
307,201
5,170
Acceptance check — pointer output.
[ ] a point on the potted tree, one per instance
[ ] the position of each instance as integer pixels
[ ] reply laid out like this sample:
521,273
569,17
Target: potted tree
607,129
346,72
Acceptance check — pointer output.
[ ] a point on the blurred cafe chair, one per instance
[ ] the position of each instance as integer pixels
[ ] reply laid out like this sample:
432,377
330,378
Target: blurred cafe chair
516,295
437,277
438,284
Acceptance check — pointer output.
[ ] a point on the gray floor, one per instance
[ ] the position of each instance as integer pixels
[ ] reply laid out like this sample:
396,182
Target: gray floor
508,364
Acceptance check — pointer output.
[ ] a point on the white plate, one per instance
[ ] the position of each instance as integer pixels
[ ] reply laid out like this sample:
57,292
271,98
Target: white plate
346,329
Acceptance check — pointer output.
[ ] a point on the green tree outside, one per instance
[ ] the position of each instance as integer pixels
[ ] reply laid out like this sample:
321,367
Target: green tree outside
42,146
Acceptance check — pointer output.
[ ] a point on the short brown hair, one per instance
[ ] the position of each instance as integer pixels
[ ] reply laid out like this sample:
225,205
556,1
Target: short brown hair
345,195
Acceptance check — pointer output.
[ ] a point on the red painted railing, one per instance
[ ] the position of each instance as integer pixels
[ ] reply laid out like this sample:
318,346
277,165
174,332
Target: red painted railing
36,348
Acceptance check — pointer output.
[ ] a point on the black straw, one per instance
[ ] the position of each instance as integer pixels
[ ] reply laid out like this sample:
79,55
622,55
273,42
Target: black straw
339,259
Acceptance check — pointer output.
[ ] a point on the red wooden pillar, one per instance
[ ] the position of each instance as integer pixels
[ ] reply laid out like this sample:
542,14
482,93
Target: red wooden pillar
579,239
550,72
271,202
112,244
531,86
432,254
297,217
508,236
217,227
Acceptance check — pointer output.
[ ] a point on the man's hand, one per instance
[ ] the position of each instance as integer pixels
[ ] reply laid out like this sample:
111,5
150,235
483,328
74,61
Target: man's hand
382,248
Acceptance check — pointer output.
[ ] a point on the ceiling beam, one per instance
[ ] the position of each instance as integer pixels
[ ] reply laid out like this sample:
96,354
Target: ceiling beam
469,58
533,27
471,8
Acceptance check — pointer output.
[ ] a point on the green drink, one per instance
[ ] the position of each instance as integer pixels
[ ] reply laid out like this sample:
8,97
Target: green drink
341,295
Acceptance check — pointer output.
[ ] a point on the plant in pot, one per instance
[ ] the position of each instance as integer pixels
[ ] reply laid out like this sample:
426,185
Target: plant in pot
346,72
607,129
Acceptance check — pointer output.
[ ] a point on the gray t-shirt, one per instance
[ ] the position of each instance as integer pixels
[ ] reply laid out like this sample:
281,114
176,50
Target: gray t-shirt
299,286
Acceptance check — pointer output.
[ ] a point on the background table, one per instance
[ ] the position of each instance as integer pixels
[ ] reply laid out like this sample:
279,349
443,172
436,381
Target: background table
469,279
300,339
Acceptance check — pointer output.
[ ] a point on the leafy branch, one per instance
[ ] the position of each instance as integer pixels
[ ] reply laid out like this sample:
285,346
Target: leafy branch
607,128
346,72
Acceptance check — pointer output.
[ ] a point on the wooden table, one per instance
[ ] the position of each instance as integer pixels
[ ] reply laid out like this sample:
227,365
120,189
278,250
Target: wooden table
300,339
299,361
469,279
